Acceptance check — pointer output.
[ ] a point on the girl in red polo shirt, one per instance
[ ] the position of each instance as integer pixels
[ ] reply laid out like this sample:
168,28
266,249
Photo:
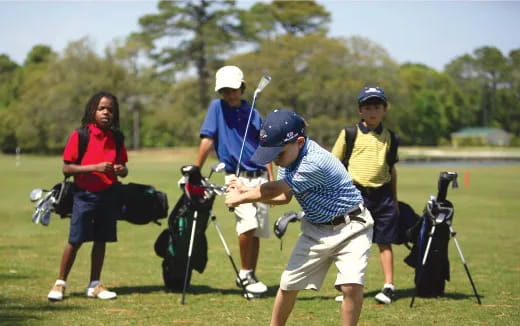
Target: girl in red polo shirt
96,204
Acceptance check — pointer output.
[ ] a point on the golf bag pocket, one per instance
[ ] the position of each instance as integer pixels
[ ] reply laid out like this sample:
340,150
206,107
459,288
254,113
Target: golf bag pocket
141,204
64,198
407,219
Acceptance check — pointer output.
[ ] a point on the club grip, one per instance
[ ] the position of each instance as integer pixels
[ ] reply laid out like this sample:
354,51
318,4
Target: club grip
231,209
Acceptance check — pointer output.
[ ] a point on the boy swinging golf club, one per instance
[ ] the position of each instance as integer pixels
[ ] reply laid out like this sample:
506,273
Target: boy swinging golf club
336,226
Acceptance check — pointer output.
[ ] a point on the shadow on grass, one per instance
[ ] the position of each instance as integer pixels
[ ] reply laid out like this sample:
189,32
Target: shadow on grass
193,289
12,276
402,294
19,311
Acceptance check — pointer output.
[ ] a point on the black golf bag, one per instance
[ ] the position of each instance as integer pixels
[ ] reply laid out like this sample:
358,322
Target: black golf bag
141,204
173,243
432,234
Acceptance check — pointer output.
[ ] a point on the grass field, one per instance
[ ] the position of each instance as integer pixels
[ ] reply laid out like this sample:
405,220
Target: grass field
486,219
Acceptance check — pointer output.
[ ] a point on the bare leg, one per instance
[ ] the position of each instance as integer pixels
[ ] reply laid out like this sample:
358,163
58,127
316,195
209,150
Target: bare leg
246,244
352,303
283,305
255,249
386,256
67,260
97,258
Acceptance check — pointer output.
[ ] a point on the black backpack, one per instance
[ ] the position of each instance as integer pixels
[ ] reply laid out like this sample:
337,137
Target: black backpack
141,204
65,190
407,220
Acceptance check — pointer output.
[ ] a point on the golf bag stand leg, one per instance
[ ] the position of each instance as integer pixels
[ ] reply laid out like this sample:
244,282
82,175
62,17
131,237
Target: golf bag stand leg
423,263
214,220
190,248
453,234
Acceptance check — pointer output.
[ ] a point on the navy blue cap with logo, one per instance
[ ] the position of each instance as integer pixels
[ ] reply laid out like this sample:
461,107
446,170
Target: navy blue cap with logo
371,92
280,127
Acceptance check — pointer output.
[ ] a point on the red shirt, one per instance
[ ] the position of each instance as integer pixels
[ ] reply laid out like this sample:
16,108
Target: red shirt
101,148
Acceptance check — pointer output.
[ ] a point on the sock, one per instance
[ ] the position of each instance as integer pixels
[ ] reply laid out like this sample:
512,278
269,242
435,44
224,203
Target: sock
60,282
93,283
243,272
389,285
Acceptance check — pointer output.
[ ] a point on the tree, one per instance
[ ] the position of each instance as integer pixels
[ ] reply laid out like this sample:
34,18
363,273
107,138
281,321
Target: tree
9,83
39,54
316,76
193,34
297,18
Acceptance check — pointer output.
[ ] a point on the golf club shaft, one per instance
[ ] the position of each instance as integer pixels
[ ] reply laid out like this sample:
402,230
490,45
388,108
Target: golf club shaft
237,171
214,219
192,236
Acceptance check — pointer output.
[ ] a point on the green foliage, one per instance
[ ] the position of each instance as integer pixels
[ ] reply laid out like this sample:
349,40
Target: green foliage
163,77
194,34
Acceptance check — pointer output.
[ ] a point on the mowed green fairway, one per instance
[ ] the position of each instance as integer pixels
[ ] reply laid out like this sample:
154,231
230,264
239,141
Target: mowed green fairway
486,219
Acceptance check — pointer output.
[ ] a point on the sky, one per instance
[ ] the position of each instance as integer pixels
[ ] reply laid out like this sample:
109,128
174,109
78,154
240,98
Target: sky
427,32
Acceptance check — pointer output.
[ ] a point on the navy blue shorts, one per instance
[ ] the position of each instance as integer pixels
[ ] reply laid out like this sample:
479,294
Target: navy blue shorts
94,216
380,203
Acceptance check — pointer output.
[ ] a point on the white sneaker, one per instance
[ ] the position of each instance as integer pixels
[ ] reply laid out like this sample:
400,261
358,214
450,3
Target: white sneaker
101,292
387,294
252,284
57,292
339,298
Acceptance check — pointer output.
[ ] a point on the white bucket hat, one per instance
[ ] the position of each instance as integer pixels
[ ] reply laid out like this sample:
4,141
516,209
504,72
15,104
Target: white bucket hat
228,76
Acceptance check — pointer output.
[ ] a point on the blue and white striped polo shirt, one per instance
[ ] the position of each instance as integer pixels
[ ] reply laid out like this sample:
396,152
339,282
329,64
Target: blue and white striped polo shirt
320,183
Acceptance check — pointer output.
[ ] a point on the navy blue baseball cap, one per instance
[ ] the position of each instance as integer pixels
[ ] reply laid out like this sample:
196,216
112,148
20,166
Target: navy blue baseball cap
371,92
280,127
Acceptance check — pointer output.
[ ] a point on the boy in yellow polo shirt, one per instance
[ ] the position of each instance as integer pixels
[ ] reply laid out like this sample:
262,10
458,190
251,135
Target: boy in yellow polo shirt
369,156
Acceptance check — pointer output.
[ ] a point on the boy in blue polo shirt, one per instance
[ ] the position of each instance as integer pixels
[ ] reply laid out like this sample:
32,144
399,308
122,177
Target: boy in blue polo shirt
223,129
336,228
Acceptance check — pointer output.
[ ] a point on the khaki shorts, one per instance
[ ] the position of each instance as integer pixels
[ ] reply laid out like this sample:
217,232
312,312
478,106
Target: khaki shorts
345,245
252,216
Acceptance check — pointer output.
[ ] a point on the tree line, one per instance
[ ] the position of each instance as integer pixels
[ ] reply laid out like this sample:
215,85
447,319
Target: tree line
163,75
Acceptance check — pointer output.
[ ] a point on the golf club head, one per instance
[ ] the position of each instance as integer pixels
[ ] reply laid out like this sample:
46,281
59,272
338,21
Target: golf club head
46,218
218,167
266,79
37,215
280,226
36,194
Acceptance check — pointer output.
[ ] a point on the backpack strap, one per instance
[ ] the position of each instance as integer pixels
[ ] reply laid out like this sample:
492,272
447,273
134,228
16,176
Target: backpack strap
119,139
84,136
350,138
391,156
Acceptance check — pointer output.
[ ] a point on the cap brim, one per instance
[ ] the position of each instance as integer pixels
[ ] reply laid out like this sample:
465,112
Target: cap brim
382,98
264,155
234,84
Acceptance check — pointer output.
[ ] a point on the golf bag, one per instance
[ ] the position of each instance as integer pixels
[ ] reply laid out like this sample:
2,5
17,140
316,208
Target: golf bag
141,204
173,243
431,277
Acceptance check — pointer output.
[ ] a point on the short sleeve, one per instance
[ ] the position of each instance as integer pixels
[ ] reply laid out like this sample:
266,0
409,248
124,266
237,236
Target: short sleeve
338,149
122,155
210,126
70,153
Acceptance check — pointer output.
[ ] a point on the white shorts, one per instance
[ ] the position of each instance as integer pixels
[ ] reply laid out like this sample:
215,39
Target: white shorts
252,216
345,245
